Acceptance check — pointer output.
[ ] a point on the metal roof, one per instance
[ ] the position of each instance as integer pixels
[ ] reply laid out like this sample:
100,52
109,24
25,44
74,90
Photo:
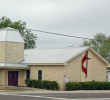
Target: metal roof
10,35
51,56
55,56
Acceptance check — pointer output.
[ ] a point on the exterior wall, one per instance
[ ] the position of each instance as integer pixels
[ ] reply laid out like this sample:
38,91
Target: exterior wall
52,73
4,77
2,51
14,52
21,77
96,69
108,76
73,70
11,52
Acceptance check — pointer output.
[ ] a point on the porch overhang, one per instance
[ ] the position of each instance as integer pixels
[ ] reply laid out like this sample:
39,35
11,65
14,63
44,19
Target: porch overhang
13,65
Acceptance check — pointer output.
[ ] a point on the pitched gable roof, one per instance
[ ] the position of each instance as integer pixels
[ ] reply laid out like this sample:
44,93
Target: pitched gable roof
52,56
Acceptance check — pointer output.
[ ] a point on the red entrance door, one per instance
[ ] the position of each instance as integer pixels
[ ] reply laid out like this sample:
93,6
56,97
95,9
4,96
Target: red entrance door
13,78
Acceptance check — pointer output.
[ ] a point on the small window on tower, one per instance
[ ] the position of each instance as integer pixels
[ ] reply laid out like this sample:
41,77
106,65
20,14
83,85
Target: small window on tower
39,74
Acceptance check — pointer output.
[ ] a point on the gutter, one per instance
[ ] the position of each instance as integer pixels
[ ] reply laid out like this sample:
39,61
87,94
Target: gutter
46,64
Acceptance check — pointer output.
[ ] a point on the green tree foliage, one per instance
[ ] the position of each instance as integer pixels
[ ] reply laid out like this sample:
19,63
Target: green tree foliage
28,36
101,44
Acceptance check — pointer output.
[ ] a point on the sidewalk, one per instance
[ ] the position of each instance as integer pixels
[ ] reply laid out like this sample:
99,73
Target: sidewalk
10,89
14,89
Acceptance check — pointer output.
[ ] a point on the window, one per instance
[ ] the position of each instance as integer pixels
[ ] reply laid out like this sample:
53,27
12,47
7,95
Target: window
39,74
28,74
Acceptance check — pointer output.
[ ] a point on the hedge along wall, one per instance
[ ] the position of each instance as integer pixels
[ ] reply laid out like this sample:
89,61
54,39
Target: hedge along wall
88,86
45,84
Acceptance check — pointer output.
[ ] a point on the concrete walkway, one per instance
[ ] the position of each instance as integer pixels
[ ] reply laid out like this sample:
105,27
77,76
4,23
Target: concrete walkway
11,89
14,89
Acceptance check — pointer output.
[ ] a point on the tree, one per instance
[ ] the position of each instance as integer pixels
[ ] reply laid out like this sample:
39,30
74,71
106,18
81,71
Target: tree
101,44
28,36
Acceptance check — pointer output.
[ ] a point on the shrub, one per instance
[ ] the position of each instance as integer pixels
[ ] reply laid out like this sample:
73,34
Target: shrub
107,86
88,86
45,84
73,86
28,82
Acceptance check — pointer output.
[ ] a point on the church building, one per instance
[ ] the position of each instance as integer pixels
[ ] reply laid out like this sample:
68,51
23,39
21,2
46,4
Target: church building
62,65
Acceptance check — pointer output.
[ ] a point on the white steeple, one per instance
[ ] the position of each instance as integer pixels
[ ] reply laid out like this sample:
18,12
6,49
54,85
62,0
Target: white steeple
10,35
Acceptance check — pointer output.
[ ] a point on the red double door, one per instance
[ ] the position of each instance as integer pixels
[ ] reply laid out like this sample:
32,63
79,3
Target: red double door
13,78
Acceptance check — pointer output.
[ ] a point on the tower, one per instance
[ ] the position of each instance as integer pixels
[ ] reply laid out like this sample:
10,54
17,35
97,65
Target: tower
11,46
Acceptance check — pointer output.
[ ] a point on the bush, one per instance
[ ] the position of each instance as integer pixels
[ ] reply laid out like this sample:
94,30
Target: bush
49,85
107,86
88,86
73,86
28,83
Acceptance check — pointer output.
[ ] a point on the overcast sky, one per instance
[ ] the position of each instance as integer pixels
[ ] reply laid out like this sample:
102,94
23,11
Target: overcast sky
82,18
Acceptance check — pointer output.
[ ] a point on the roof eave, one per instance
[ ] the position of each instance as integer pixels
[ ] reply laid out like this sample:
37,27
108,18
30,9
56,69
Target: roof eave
45,63
9,67
108,65
76,55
